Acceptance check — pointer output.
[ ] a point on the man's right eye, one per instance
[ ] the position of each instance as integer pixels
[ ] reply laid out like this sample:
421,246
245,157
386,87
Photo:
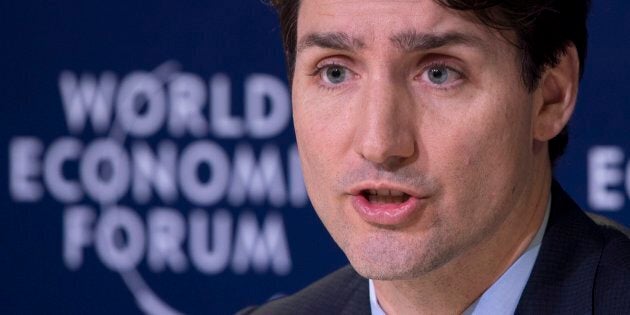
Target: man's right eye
334,74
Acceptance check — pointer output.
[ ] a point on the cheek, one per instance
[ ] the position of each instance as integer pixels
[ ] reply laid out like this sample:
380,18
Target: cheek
323,121
322,139
314,138
310,147
482,149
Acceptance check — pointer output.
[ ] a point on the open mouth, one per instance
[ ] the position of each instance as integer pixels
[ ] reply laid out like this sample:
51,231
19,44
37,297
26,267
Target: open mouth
386,207
384,196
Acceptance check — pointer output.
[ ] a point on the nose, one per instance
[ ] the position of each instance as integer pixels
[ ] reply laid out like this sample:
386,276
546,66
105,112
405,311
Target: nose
384,134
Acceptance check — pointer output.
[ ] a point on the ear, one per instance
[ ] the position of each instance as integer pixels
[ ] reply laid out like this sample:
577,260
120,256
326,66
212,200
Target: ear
558,87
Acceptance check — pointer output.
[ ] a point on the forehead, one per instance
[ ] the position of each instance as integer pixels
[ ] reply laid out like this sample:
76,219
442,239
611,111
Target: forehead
371,9
370,21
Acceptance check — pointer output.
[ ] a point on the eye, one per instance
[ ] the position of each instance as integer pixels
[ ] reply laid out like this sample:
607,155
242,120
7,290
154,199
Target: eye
441,75
334,74
438,75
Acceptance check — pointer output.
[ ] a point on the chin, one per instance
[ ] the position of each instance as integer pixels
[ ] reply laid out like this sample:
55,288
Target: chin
389,258
387,270
386,274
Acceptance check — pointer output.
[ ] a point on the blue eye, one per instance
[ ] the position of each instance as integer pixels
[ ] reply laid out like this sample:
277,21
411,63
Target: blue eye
438,75
441,75
334,74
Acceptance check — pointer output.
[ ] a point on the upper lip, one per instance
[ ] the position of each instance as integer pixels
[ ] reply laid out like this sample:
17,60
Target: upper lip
362,187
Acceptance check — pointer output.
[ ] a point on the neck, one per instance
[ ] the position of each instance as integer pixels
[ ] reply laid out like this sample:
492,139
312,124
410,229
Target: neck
451,288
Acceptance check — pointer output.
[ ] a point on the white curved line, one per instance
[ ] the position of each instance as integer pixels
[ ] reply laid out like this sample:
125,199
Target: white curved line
146,299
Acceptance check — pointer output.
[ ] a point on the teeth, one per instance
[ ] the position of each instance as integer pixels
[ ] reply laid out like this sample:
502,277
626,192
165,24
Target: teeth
385,196
386,199
386,192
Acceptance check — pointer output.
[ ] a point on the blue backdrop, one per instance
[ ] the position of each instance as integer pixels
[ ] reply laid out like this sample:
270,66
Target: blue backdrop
148,158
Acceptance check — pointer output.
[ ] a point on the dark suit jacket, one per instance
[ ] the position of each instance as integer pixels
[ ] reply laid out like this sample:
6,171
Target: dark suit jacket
582,268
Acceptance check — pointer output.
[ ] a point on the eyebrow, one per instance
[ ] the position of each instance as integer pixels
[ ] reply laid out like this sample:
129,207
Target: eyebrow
414,41
407,41
332,40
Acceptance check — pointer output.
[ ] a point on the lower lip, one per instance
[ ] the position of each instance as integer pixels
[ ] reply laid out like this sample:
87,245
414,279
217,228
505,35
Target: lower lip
385,213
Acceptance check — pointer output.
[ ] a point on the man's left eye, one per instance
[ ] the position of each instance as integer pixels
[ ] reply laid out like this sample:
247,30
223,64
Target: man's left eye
334,74
440,75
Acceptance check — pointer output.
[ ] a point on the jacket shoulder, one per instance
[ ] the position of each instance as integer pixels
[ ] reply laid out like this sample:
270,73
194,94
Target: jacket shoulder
582,266
341,292
612,280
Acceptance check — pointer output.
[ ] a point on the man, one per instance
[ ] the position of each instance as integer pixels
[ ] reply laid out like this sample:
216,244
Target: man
427,131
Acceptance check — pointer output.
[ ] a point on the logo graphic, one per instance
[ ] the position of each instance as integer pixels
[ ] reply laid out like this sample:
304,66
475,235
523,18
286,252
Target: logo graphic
161,167
607,172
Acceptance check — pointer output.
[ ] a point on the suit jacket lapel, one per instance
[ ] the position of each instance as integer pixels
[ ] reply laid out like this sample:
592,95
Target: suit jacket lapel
358,299
563,275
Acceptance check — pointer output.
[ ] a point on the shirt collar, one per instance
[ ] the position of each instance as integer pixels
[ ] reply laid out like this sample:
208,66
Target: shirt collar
503,296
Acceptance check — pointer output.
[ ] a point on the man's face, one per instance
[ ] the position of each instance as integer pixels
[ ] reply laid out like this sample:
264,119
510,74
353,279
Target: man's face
414,129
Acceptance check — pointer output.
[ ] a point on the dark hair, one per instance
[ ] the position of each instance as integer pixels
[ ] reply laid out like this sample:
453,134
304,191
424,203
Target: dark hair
543,29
